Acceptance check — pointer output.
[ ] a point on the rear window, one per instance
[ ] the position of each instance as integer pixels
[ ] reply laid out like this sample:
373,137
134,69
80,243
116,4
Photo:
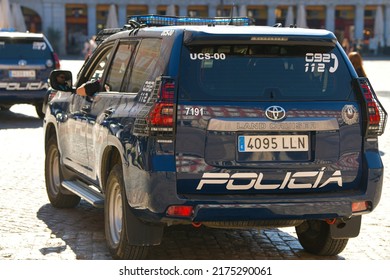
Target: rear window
263,72
23,48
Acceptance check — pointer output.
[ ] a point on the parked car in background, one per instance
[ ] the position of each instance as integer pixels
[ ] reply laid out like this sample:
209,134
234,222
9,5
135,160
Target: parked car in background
26,60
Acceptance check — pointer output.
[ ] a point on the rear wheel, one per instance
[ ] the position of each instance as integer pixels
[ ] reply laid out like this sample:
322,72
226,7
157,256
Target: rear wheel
53,179
115,223
314,236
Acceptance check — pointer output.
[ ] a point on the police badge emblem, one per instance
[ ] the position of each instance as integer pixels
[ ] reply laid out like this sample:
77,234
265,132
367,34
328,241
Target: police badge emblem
350,114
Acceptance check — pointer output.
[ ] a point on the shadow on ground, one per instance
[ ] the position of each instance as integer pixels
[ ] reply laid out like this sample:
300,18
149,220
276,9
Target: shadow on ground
12,120
82,229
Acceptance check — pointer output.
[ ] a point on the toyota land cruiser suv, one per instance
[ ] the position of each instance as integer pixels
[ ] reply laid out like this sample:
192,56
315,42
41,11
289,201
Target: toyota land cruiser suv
220,125
26,60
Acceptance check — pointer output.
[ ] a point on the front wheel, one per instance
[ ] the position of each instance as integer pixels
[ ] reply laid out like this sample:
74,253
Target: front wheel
314,236
114,220
53,178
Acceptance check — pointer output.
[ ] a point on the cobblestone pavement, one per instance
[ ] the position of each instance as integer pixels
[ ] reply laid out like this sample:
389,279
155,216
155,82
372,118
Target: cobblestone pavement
30,228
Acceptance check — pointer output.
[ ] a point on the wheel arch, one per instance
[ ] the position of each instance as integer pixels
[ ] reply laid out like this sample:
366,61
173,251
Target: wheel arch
110,157
49,133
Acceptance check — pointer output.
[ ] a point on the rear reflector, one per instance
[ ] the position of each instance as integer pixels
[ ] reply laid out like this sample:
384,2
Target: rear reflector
180,211
360,206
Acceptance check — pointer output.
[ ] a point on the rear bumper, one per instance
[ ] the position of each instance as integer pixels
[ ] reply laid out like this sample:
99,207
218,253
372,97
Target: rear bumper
151,196
271,211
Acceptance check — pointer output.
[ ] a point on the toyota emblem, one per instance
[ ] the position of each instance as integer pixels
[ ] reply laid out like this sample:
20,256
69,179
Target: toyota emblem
275,113
22,62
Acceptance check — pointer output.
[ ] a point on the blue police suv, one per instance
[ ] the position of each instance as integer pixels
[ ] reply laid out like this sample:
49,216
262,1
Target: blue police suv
217,123
26,60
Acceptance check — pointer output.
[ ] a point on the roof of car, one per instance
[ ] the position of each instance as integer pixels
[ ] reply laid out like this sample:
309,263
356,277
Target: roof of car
253,29
237,30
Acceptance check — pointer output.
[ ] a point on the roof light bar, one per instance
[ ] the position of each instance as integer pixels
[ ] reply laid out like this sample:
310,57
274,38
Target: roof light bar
159,20
11,29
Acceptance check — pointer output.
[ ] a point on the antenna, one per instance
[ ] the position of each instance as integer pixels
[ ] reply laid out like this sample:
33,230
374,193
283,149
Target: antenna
231,13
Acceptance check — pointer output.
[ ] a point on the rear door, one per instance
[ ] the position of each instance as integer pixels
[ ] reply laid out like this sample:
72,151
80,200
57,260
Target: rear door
263,118
105,103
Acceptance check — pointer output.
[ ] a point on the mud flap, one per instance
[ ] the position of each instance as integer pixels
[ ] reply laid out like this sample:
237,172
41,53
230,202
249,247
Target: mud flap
347,229
140,233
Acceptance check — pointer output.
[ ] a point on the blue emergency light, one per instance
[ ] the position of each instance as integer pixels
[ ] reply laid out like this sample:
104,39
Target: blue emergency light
160,20
8,29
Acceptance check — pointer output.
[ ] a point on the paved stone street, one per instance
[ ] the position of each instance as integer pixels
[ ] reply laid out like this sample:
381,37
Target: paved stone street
30,228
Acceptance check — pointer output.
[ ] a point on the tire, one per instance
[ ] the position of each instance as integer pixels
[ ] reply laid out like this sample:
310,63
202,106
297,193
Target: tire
53,179
115,225
38,109
314,236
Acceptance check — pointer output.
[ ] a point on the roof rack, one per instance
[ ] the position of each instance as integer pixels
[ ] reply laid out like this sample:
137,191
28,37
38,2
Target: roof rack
160,20
105,33
139,21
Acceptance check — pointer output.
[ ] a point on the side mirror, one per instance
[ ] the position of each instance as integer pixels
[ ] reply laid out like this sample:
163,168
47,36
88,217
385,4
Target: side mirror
61,80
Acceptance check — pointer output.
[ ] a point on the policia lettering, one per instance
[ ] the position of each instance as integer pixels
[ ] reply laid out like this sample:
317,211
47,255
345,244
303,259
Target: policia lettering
255,180
24,86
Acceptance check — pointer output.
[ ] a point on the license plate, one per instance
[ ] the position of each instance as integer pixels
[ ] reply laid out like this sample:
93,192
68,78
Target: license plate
273,143
22,73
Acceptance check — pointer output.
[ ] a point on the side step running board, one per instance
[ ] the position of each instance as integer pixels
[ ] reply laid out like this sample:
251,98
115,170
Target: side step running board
85,192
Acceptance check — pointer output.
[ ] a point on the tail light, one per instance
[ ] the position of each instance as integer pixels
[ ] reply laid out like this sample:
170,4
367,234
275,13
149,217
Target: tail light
56,61
375,115
157,116
161,115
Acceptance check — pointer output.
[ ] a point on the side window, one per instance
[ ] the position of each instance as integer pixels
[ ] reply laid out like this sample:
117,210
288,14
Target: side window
146,66
98,66
119,65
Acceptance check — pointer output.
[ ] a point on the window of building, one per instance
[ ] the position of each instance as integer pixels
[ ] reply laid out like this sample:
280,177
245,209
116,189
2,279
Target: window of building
197,11
76,27
258,13
132,10
316,16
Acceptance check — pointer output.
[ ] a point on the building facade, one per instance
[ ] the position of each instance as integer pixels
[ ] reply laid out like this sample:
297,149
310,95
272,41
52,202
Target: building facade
68,23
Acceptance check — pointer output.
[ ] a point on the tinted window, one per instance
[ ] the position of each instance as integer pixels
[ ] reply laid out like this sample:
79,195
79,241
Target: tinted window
119,65
263,72
26,48
147,64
